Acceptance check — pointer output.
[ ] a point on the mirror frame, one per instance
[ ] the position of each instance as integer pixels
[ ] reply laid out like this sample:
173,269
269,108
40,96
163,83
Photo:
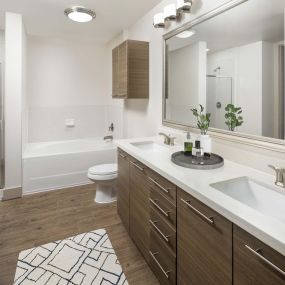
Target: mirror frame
258,141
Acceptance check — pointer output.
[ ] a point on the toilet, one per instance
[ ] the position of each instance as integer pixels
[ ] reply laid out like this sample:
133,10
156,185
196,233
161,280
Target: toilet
105,176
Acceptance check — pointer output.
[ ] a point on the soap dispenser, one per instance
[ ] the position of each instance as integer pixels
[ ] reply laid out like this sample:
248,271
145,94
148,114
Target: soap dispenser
188,145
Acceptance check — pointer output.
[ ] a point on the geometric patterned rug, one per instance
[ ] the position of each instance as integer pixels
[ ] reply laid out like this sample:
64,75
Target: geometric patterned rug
84,259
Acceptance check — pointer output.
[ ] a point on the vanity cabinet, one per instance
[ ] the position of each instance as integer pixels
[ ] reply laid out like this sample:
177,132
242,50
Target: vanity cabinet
139,207
123,193
130,63
204,244
255,263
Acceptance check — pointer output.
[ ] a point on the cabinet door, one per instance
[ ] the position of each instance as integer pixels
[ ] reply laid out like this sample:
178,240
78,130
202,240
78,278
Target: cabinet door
204,244
123,193
255,263
123,70
139,207
115,66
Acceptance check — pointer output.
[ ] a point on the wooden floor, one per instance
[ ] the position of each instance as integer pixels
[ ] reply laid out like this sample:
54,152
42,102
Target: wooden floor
42,218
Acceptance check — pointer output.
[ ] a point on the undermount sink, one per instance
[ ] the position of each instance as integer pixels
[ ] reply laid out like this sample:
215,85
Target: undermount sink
260,197
150,146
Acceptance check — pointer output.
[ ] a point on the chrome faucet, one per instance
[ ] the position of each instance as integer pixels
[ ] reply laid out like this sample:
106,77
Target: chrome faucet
280,175
168,139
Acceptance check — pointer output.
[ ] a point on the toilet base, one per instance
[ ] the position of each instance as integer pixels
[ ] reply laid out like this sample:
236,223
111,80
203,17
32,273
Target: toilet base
105,194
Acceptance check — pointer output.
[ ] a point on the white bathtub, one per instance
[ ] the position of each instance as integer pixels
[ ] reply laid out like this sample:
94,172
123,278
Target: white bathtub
54,165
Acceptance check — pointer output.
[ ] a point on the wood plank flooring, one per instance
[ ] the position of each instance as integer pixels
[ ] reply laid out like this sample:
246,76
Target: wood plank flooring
42,218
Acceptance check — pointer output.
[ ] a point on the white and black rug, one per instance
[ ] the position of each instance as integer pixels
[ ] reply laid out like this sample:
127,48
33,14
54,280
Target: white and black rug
85,259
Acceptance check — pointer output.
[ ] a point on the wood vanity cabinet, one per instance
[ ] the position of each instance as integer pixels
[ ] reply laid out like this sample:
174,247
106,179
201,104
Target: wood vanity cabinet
204,244
139,207
123,193
255,263
130,62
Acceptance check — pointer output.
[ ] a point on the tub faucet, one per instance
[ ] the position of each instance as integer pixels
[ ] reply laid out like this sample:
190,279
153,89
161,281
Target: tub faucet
111,128
168,139
280,175
108,138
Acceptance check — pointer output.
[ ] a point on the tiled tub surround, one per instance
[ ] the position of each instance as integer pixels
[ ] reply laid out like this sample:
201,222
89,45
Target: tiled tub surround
197,183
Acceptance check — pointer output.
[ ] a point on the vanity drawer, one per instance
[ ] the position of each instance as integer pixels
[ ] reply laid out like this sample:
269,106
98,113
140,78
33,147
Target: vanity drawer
163,206
165,232
163,186
162,261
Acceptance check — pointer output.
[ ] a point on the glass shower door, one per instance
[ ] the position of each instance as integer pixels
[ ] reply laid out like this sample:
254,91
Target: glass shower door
219,95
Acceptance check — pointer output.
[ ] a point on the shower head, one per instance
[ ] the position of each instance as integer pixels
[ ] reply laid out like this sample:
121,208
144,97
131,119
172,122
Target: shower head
217,69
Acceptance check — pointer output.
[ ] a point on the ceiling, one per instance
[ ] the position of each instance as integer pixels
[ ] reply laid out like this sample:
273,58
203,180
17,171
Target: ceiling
46,18
255,20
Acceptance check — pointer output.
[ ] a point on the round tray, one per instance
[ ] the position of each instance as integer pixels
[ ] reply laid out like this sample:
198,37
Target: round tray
212,161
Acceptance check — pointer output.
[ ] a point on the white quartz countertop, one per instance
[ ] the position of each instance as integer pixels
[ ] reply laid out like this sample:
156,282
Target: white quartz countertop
197,183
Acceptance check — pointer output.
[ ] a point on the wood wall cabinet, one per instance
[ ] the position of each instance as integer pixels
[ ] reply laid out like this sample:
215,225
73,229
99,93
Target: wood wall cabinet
131,70
204,244
255,263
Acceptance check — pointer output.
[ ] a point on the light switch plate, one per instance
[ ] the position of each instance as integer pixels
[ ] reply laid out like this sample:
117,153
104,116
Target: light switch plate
69,123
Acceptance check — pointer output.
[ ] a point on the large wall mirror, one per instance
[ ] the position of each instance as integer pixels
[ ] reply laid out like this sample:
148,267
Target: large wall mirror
231,57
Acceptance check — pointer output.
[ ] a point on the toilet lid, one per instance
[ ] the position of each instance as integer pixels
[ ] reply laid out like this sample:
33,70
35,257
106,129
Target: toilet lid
104,169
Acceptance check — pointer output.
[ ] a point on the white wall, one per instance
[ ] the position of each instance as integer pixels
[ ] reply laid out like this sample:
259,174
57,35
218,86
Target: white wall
14,58
68,80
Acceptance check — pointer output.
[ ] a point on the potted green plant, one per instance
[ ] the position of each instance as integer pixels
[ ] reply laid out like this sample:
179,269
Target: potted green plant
203,123
233,117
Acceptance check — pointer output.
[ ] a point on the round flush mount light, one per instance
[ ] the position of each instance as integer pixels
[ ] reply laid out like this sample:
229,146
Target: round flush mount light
186,34
80,14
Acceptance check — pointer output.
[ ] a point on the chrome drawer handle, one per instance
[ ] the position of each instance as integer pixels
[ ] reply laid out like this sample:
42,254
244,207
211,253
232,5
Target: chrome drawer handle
158,185
121,155
209,220
166,238
257,253
137,166
165,213
166,273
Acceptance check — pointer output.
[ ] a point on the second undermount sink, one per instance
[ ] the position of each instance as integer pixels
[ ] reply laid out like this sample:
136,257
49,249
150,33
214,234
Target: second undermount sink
150,146
260,197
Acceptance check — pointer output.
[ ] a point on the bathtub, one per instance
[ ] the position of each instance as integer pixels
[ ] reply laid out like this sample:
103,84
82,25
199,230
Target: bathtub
61,164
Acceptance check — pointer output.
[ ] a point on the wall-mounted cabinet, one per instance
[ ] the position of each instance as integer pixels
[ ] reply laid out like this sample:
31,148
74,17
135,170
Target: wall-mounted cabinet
131,70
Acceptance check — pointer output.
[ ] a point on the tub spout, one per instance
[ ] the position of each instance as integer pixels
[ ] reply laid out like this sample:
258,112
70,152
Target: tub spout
108,138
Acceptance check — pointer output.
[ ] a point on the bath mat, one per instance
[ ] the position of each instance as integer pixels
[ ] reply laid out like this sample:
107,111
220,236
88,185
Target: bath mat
84,259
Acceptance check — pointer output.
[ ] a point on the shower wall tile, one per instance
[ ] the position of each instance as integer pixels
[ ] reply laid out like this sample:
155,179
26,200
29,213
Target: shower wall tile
48,123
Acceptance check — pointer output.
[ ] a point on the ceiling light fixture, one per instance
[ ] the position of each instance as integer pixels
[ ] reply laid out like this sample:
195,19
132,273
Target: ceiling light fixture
186,34
80,14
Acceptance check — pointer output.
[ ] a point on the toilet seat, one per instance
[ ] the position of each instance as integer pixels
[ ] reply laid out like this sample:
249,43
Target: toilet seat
103,172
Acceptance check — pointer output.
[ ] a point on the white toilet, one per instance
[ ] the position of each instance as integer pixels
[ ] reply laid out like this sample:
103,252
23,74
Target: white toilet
105,176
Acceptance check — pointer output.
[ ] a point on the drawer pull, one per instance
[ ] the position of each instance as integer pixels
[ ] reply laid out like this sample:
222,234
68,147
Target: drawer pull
121,155
158,185
166,273
259,255
137,166
165,213
209,220
166,238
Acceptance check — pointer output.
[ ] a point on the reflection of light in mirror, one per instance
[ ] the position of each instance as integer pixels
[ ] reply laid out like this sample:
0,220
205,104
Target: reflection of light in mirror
186,34
208,50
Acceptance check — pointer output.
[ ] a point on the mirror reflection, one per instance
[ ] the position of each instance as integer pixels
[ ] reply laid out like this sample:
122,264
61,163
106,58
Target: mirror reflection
233,65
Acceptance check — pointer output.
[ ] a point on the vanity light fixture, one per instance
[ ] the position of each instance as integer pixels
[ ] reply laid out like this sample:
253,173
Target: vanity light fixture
207,50
184,6
80,14
170,12
186,34
158,20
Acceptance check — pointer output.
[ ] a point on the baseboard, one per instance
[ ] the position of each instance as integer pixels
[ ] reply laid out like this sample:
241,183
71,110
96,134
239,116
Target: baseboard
11,193
28,193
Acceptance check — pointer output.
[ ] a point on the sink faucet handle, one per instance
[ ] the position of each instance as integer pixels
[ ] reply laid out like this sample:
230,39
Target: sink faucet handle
280,175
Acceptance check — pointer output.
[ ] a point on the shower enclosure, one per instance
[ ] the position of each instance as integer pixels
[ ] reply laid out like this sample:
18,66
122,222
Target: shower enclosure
219,95
2,165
